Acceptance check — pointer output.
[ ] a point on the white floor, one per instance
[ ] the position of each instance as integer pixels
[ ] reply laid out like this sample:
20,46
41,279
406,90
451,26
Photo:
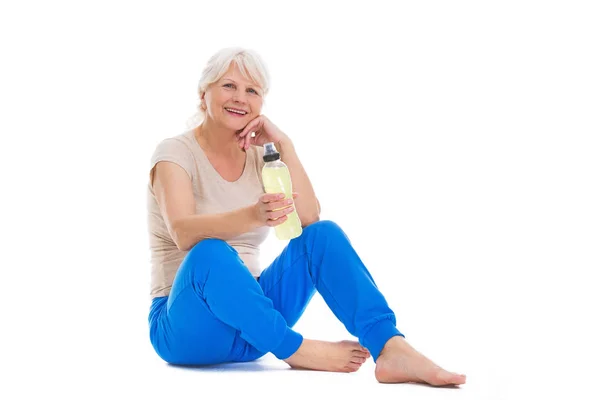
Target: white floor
144,376
133,371
101,351
84,343
93,360
269,378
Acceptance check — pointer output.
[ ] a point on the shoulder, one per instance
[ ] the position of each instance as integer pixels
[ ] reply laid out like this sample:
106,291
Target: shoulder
179,142
176,149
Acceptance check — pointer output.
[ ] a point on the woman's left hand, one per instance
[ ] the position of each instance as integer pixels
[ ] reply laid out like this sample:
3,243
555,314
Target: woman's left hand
264,132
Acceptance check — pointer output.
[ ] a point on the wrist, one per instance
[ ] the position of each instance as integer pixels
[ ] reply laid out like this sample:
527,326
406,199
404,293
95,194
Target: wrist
253,216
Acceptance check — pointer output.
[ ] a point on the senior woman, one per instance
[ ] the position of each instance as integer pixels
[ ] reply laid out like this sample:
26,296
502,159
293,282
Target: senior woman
207,217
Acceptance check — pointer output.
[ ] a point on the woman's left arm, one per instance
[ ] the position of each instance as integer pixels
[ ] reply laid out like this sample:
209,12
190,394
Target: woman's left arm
307,205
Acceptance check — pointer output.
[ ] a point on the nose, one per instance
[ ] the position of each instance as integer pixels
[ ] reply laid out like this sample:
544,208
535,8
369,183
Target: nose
239,97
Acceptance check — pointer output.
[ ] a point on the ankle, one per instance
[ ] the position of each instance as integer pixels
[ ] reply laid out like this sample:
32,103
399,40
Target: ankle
395,342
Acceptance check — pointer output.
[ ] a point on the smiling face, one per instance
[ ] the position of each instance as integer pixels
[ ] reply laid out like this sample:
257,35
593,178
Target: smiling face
233,101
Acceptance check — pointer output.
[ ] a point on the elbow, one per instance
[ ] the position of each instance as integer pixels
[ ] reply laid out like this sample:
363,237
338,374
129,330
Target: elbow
183,246
180,237
311,219
314,216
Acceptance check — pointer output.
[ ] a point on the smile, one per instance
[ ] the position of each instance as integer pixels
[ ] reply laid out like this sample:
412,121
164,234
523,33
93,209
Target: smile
239,112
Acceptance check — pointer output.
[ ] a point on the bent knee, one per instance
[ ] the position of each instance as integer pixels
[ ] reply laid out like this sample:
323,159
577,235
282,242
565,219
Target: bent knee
327,225
212,246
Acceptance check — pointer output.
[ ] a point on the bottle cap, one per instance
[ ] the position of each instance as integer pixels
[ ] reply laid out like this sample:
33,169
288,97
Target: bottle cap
271,153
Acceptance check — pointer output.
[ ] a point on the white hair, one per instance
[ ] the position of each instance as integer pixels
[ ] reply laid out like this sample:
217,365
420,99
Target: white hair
250,64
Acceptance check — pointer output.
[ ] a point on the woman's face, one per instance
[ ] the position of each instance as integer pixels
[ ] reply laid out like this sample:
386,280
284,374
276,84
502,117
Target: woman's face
233,93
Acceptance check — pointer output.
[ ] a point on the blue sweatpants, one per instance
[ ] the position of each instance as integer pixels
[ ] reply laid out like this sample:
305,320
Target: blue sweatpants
218,312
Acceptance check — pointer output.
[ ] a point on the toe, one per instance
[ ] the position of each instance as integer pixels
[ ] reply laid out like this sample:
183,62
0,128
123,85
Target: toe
458,379
353,367
444,377
358,359
356,346
362,352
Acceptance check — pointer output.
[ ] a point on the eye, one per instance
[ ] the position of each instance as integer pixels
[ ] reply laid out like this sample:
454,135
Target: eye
255,92
228,85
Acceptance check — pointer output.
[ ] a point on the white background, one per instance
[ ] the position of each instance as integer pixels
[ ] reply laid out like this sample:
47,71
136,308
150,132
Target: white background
455,142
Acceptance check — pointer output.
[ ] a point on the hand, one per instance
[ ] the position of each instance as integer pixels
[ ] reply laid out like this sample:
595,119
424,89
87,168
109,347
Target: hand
272,208
264,132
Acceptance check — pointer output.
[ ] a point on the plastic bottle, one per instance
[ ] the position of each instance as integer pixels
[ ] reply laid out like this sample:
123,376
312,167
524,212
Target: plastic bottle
277,179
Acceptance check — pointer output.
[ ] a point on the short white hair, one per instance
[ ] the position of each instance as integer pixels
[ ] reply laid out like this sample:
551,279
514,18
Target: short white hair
250,64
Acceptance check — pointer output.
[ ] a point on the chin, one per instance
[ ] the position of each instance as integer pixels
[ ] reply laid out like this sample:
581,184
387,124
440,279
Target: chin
236,126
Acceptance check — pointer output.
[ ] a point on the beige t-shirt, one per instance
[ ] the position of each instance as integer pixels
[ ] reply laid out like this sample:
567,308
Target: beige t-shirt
213,195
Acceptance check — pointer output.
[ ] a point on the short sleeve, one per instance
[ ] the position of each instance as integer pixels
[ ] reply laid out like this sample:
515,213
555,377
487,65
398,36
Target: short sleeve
175,151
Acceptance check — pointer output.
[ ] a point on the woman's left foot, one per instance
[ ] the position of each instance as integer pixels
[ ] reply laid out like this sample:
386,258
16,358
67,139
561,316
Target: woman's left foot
399,362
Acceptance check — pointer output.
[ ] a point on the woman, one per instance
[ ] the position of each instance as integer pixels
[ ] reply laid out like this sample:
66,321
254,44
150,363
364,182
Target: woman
208,215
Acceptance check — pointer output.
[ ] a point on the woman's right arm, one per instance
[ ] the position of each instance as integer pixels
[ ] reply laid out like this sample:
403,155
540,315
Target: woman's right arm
175,197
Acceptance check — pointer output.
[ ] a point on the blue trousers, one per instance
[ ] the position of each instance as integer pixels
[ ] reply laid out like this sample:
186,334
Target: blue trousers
218,312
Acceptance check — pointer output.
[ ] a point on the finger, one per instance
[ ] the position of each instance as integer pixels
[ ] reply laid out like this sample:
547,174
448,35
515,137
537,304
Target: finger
276,205
274,215
245,130
358,360
279,213
251,125
276,222
269,197
247,140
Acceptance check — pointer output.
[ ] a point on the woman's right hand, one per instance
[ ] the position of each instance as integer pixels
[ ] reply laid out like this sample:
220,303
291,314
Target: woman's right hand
272,208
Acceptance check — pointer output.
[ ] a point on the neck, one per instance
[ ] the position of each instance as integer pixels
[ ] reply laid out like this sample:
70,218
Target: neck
217,139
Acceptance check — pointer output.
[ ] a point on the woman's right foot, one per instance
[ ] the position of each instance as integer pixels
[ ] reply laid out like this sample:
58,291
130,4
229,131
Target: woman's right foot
344,356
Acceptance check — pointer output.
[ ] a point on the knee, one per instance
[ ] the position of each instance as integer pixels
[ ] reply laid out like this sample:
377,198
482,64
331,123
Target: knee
326,226
209,253
212,247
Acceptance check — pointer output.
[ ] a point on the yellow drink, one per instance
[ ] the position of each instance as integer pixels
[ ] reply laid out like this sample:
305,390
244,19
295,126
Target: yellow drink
277,179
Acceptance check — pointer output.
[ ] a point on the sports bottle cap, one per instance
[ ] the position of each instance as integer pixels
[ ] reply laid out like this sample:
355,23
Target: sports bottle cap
271,153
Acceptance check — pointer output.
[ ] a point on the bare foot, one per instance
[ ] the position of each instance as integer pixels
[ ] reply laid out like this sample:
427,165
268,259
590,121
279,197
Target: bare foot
344,356
399,362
